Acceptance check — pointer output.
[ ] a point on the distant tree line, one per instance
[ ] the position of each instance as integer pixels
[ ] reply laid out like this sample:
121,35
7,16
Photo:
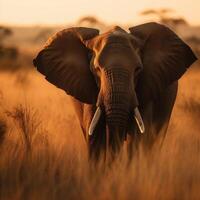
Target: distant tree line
6,52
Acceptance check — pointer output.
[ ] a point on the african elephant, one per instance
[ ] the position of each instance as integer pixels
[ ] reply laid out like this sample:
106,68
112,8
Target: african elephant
123,84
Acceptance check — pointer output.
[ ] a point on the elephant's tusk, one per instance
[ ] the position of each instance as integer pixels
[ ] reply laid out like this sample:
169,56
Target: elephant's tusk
139,120
95,120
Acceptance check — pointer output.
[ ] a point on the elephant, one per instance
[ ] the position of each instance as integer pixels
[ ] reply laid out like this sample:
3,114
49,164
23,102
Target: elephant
123,84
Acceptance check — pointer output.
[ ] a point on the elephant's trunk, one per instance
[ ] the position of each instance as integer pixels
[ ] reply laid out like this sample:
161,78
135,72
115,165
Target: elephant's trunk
117,97
117,110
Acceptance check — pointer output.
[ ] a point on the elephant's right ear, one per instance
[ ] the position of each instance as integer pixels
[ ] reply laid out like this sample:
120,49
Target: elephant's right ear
164,55
65,63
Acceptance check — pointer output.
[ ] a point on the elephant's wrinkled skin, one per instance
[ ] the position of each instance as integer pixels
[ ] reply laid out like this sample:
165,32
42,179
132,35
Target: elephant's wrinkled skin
118,74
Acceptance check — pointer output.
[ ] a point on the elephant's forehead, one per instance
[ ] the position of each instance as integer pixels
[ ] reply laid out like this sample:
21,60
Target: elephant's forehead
116,31
114,35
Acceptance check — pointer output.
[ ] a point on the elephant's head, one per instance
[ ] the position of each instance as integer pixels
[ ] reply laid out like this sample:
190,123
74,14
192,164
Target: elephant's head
115,64
117,70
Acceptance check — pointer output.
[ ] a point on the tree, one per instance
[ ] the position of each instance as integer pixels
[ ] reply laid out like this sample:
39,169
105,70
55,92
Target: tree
6,52
4,32
91,21
164,17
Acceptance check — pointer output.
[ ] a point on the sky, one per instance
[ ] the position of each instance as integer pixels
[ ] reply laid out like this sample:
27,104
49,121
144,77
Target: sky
51,12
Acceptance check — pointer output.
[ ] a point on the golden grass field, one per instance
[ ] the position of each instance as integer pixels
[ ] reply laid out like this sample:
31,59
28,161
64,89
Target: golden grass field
43,154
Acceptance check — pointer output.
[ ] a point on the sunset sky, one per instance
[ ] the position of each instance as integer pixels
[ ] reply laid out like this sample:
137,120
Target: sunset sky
34,12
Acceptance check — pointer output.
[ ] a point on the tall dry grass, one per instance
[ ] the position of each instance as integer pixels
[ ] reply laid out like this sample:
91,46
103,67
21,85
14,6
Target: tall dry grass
43,154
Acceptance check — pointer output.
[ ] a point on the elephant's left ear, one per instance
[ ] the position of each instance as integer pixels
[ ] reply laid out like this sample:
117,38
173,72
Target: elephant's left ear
164,55
65,63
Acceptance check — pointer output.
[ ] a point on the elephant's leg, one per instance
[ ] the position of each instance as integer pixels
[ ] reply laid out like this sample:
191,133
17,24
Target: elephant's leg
163,109
97,141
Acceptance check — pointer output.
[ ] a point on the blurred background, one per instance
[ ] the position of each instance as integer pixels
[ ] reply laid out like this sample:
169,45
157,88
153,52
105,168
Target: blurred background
26,25
42,151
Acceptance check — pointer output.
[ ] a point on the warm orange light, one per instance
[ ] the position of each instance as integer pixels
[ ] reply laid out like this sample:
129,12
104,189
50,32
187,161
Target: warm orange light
66,11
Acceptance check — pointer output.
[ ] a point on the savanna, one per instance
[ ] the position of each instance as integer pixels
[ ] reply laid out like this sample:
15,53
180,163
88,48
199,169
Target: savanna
43,154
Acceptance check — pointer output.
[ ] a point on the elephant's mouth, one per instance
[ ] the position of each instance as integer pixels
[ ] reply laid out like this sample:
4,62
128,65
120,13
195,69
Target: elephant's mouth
98,113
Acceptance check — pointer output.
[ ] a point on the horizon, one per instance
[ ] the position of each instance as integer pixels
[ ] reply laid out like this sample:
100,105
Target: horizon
23,13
